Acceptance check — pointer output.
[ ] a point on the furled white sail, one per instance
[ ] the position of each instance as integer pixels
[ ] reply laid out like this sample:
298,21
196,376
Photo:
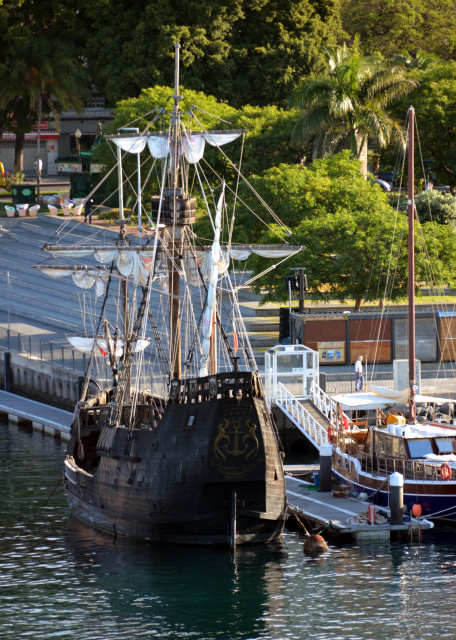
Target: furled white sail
84,279
391,394
160,146
200,261
136,265
86,345
215,259
132,145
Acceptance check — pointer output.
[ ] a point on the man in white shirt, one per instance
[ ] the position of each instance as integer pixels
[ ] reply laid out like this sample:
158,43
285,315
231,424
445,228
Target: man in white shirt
359,377
38,164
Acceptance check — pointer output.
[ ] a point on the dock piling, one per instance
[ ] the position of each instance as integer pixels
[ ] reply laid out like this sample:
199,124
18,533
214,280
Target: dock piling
396,482
325,467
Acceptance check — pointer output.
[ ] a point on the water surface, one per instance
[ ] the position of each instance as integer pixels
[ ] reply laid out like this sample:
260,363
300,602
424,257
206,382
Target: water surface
61,580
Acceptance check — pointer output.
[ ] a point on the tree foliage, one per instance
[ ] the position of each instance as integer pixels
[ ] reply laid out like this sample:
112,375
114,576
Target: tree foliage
436,206
244,51
390,26
355,242
39,69
349,102
266,143
433,98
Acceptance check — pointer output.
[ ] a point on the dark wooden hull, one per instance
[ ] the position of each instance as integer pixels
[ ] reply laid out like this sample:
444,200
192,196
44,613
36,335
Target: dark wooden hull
210,471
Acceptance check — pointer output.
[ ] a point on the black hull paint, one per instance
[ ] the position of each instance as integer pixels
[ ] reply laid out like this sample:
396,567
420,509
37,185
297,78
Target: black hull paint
207,469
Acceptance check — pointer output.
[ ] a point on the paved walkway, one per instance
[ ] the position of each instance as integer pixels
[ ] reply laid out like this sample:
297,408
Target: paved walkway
44,417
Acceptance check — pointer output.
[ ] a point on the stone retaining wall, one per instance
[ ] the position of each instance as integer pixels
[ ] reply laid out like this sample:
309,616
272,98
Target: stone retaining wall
41,381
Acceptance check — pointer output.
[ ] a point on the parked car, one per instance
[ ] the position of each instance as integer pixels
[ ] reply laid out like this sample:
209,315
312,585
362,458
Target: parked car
388,176
386,186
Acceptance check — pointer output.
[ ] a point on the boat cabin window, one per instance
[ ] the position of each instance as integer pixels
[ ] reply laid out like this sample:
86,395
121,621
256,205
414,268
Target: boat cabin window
390,446
420,448
446,445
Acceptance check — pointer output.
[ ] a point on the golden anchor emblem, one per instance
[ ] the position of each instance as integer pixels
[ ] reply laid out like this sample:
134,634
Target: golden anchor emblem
242,443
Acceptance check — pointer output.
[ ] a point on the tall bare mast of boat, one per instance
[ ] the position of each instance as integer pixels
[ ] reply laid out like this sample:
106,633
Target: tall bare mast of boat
411,264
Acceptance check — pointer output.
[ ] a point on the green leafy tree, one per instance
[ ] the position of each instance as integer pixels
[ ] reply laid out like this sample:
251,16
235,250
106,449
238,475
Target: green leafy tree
434,206
39,70
267,140
355,243
433,99
434,103
347,105
246,52
389,26
420,61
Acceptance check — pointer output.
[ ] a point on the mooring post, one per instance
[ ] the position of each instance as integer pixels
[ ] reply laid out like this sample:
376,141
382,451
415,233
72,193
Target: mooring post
7,371
396,482
325,467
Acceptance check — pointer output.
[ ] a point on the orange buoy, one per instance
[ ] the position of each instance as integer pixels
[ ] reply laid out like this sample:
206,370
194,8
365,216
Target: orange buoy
417,510
445,471
315,544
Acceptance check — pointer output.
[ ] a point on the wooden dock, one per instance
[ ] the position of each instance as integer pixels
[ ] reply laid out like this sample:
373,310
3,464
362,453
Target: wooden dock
41,417
346,516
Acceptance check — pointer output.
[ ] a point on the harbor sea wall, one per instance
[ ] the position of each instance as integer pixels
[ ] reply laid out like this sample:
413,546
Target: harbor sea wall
39,380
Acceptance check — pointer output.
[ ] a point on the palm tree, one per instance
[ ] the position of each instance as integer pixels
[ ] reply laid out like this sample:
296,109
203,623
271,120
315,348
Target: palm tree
347,105
421,60
40,75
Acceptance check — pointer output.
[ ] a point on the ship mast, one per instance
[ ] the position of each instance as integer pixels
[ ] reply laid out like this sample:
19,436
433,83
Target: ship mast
176,233
411,264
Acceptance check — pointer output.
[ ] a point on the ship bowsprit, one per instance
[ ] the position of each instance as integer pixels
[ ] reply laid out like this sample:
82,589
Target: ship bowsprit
208,471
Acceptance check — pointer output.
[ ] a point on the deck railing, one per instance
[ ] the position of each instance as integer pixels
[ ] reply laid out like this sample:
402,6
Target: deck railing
305,421
410,469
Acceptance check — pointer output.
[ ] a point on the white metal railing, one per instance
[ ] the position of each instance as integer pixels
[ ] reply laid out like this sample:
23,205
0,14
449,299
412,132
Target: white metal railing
323,402
299,415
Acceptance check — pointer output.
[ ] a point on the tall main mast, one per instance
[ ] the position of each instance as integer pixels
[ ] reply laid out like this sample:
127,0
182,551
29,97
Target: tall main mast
411,263
178,211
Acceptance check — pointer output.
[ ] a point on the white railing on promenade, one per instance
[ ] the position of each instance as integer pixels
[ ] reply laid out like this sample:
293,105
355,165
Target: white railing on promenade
299,415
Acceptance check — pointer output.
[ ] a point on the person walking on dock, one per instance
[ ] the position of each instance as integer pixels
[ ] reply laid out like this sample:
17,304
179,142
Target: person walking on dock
359,376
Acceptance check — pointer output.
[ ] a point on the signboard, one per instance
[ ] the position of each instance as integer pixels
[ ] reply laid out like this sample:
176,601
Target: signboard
97,168
447,314
69,167
331,352
323,317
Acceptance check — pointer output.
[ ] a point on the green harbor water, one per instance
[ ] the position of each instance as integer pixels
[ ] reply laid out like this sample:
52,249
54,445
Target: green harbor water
61,580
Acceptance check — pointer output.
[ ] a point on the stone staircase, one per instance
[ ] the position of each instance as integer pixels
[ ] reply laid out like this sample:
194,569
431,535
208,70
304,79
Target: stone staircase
262,323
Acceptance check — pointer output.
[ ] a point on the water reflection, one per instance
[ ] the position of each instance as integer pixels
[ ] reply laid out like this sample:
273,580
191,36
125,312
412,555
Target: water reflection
180,591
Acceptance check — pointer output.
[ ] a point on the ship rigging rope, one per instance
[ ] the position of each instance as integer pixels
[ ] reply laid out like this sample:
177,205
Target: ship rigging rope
443,513
429,264
252,189
218,315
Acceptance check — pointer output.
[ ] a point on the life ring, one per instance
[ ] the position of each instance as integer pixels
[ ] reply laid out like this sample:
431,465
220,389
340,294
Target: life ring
445,471
330,434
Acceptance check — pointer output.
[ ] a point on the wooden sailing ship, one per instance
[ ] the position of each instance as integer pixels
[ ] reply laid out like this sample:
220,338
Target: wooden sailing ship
178,443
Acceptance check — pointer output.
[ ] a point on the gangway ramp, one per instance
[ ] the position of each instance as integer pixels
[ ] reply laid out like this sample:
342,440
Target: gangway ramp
291,382
305,416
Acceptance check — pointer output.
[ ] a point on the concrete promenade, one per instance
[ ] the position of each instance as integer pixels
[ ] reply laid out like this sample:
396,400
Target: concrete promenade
42,417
